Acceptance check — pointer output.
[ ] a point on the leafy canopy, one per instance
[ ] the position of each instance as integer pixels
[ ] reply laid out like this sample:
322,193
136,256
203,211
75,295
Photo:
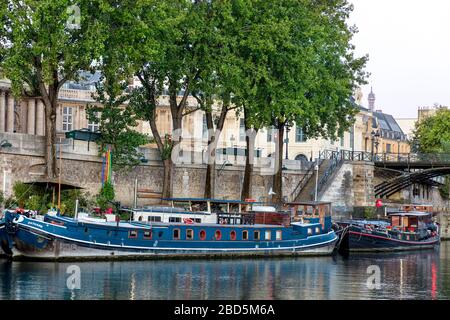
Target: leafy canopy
45,43
432,134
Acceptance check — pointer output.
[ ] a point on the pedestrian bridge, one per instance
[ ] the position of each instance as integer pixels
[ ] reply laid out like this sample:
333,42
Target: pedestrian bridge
400,169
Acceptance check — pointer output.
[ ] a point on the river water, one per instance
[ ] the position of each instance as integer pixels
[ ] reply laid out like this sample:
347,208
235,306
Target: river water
413,275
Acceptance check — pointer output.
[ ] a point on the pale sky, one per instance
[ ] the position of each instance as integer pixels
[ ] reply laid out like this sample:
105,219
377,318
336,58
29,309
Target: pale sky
408,42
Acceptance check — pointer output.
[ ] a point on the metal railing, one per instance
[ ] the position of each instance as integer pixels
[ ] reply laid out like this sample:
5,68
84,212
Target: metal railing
306,178
388,157
335,163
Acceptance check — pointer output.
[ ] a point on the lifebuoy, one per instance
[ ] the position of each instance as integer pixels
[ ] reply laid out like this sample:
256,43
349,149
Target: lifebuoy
188,221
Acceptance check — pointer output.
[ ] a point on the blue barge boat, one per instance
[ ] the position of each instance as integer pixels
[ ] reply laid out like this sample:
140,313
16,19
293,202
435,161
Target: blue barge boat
406,230
253,233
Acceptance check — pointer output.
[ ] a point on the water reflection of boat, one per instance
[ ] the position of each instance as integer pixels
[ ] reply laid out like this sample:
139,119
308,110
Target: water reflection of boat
406,230
259,231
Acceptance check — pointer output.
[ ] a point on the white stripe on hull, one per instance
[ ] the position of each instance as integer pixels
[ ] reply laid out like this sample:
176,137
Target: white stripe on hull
66,251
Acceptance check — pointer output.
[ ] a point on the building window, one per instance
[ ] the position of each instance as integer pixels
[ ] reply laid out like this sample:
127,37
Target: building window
245,235
342,140
94,126
189,234
388,148
268,234
204,128
299,135
174,219
233,235
218,235
352,138
270,134
67,121
241,130
256,235
202,234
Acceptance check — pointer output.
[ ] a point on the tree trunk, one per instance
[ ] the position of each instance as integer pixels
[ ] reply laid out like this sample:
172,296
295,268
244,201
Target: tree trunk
249,165
167,181
210,180
213,139
278,176
50,141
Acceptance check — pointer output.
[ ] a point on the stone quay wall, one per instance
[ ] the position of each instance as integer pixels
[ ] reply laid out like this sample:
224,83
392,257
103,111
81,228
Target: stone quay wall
81,166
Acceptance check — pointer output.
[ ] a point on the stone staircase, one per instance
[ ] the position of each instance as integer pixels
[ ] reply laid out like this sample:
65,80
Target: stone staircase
308,184
305,190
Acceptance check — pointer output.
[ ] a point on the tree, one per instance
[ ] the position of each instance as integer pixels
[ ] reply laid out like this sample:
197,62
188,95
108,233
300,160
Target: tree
432,134
45,44
301,69
219,78
117,123
166,56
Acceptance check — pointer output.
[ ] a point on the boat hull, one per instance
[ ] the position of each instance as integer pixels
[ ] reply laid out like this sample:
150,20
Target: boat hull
355,240
46,241
26,246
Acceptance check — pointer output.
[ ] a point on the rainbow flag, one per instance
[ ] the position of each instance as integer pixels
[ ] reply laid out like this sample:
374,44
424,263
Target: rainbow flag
107,167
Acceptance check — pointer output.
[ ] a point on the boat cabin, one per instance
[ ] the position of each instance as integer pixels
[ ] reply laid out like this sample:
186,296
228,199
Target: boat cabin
199,210
411,221
310,212
417,207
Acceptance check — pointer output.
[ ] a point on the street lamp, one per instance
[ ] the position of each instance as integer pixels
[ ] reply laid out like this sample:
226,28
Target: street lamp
316,168
375,136
288,129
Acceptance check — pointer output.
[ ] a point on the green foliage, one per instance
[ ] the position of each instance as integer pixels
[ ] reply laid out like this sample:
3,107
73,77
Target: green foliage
299,66
2,198
36,198
11,203
445,189
116,125
41,46
365,212
69,197
432,134
23,192
105,196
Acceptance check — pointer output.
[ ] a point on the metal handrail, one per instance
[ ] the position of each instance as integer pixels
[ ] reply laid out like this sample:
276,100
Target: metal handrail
386,157
334,164
304,181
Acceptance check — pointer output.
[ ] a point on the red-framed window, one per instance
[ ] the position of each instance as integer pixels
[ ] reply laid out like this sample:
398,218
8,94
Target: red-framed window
132,234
